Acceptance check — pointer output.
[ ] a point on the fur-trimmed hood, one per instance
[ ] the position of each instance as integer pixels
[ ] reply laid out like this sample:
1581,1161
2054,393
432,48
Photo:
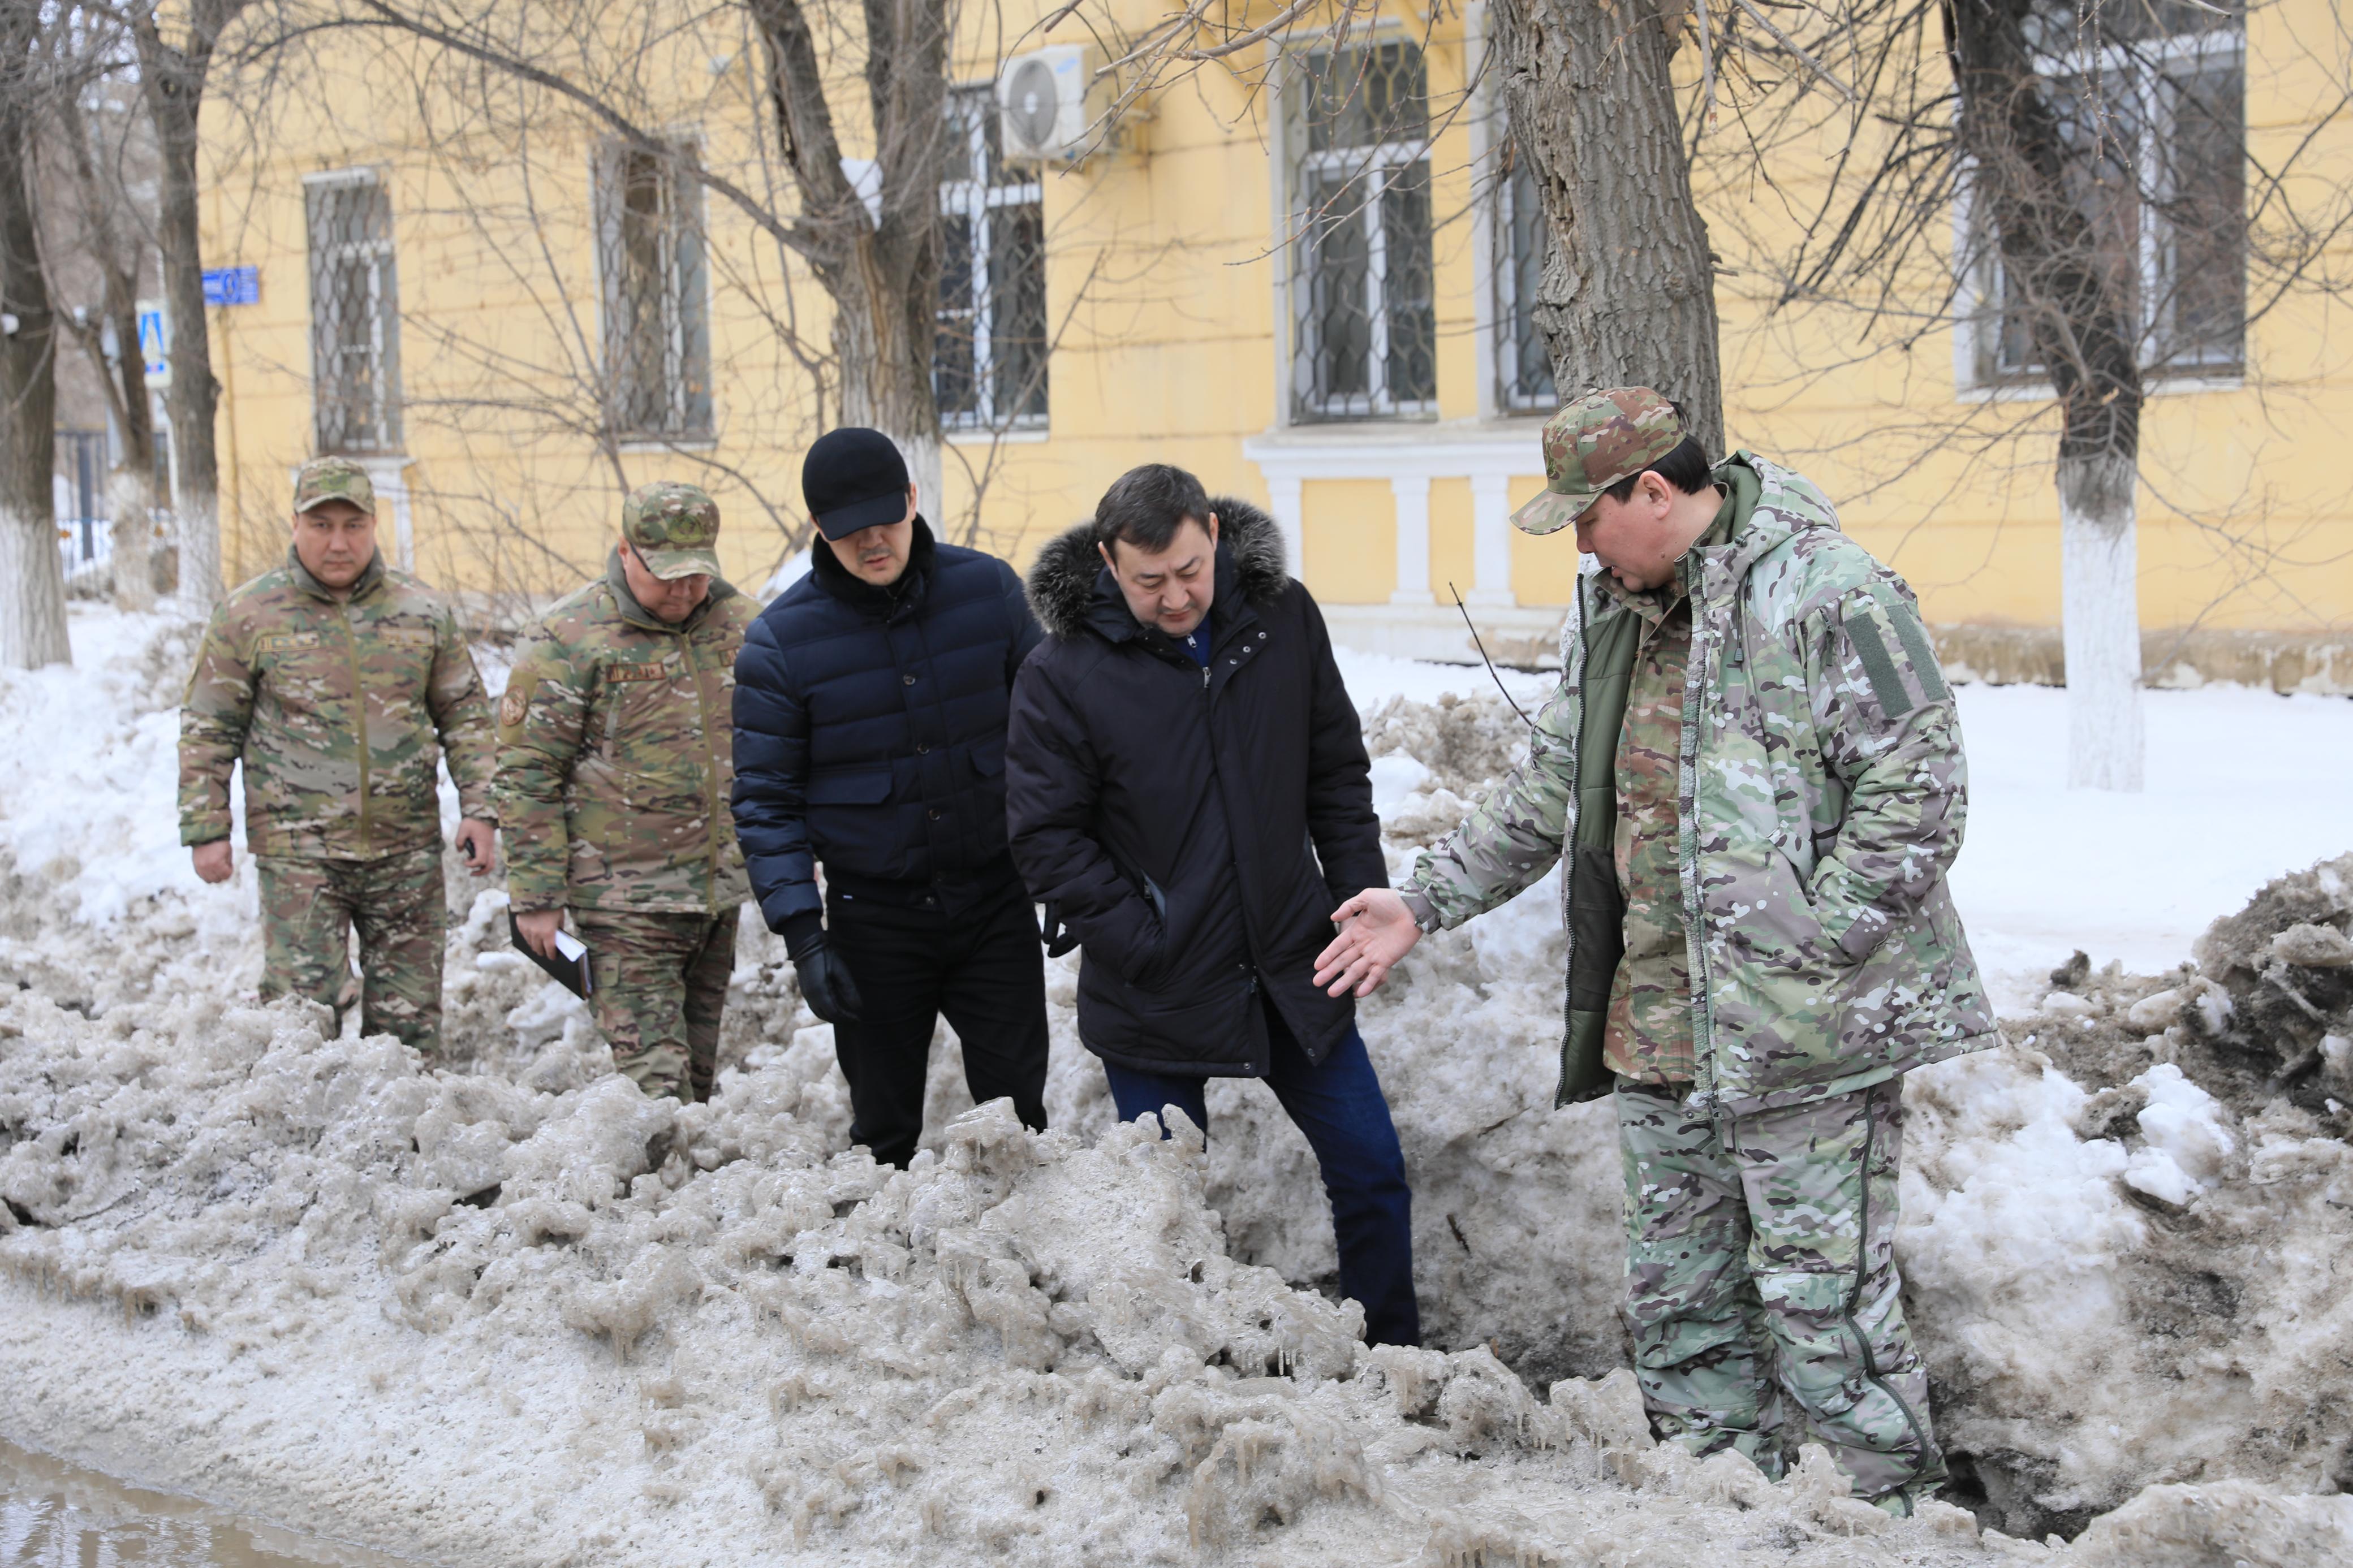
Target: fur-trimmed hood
1061,585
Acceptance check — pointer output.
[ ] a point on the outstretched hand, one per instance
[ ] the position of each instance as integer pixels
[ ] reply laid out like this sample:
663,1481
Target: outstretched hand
1375,931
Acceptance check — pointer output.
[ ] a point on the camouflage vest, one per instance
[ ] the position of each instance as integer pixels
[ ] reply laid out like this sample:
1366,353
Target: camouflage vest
1822,796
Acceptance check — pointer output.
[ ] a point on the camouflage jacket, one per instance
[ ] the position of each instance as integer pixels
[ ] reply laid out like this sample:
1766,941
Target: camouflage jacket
339,710
616,756
1821,795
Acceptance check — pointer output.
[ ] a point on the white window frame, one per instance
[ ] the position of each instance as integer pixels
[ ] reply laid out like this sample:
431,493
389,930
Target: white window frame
1298,171
380,262
2146,71
1509,398
979,201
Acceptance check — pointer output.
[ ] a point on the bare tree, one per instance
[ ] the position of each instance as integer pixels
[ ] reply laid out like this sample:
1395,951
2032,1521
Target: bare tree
2066,184
32,574
173,71
108,152
874,251
1628,297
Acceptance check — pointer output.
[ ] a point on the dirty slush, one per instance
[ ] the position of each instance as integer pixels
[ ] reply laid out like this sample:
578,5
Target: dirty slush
456,1314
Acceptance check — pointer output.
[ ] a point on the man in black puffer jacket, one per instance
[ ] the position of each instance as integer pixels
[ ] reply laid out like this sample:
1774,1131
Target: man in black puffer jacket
871,704
1189,795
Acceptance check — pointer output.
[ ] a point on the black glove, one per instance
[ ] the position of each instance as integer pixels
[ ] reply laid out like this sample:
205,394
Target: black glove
825,979
1059,939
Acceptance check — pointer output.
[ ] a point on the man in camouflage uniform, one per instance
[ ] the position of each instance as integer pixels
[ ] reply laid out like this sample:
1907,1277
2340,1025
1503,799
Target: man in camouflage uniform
339,681
1753,769
616,756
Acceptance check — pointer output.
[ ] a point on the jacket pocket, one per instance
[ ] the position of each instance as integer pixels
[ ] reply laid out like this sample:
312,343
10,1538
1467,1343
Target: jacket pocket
868,786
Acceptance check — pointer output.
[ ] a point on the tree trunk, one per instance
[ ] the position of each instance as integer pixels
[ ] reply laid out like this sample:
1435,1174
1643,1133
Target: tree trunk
32,574
2100,604
130,502
882,271
2070,279
1629,296
888,387
130,490
173,81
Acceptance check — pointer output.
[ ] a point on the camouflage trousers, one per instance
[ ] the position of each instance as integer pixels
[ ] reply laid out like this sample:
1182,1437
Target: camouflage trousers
661,988
1761,1284
400,905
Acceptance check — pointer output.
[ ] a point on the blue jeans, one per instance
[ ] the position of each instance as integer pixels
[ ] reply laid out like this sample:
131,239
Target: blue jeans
1340,1108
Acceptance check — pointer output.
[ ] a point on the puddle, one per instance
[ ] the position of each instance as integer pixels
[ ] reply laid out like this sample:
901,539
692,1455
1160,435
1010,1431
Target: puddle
57,1515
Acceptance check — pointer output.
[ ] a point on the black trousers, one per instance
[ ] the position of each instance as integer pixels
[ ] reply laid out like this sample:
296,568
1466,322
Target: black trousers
982,968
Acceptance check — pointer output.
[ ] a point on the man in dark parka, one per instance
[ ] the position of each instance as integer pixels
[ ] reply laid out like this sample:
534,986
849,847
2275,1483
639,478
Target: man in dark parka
870,703
1188,793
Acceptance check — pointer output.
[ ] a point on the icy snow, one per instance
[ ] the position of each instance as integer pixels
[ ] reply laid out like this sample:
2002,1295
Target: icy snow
456,1314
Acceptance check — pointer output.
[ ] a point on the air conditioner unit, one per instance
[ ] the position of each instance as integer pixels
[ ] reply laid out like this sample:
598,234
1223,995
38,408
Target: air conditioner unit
1050,105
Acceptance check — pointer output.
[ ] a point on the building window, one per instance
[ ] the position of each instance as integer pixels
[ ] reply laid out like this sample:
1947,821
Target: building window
654,293
355,315
2156,102
1523,244
1365,338
989,348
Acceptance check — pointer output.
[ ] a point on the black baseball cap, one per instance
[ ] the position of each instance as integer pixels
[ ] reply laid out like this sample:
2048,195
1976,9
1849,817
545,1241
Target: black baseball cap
853,478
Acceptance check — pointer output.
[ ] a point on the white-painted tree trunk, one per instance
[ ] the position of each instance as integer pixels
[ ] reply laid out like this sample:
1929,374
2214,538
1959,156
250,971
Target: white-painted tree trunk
924,466
32,593
128,503
2100,602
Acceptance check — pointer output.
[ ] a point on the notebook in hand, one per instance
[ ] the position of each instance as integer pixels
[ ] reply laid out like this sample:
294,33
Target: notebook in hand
570,965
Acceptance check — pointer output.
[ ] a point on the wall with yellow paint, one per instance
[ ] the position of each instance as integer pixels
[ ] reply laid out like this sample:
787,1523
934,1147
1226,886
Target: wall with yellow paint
1162,282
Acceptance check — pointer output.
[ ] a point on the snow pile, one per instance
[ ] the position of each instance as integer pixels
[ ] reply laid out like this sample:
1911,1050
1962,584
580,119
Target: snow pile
512,1312
492,1324
2124,1234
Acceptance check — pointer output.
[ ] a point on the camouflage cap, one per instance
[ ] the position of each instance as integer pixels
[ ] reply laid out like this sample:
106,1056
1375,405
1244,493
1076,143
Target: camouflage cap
1593,443
322,480
672,527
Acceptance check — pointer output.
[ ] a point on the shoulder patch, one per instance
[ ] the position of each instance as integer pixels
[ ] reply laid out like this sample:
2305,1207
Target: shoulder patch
1867,620
512,707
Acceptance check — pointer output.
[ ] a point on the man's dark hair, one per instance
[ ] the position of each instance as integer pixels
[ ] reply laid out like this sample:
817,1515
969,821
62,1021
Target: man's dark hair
1685,468
1145,507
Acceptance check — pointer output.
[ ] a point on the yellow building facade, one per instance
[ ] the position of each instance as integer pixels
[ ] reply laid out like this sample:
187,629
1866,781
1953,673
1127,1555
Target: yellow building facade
476,290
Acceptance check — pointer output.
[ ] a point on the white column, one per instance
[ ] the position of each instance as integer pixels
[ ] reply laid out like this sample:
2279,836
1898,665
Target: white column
389,478
1491,539
1282,498
1412,493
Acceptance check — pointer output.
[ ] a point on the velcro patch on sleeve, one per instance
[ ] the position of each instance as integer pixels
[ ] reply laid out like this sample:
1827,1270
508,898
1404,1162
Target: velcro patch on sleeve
514,706
1863,634
1868,621
1914,638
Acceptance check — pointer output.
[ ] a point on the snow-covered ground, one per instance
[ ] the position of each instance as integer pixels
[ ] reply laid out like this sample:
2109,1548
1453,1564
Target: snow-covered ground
2241,785
455,1313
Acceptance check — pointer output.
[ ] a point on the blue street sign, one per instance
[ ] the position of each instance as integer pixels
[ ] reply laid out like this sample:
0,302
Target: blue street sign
232,285
155,343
